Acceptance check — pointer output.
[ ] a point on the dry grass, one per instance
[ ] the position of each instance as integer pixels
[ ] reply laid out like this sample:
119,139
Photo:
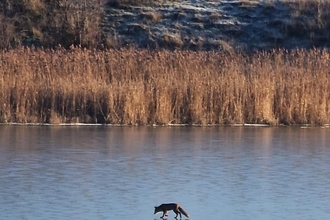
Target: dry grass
152,16
50,23
171,41
131,86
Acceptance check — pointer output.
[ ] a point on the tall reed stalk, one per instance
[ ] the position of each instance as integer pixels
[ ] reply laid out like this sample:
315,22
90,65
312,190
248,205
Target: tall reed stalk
139,87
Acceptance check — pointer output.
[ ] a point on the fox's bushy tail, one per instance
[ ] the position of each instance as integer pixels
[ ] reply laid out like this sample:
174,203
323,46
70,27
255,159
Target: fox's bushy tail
183,212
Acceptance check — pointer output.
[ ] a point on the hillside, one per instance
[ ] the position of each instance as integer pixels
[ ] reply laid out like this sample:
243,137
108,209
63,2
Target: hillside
239,25
230,24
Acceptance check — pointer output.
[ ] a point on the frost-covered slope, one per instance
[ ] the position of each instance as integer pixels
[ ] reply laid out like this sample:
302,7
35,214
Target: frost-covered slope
228,25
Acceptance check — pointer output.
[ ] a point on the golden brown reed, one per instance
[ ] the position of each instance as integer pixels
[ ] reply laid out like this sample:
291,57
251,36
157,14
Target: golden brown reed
139,87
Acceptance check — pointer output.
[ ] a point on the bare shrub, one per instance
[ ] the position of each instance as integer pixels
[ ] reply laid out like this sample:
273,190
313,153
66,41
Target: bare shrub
8,35
50,23
310,19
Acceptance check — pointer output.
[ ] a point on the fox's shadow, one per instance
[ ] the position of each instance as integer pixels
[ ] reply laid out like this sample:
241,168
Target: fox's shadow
168,218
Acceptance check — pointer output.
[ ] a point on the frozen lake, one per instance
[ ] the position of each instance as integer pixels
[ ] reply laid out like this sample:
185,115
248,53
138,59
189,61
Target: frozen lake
96,172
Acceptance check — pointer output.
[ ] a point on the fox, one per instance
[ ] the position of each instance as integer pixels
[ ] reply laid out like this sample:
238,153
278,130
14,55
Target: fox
176,208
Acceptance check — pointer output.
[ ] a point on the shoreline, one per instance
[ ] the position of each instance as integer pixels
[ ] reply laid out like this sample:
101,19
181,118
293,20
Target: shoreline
166,125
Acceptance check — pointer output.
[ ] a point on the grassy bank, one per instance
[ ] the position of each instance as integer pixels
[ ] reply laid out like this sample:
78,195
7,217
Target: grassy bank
216,85
132,86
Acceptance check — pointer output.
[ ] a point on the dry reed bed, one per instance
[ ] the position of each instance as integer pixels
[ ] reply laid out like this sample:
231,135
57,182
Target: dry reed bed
131,86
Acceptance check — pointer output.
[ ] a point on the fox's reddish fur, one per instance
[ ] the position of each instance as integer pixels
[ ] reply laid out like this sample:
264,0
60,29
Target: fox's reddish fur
171,206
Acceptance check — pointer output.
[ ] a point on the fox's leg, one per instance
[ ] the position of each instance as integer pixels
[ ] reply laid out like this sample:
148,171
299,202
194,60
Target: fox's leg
177,212
164,214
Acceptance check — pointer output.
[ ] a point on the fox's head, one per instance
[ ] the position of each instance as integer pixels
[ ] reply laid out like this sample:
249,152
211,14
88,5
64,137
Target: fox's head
156,210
